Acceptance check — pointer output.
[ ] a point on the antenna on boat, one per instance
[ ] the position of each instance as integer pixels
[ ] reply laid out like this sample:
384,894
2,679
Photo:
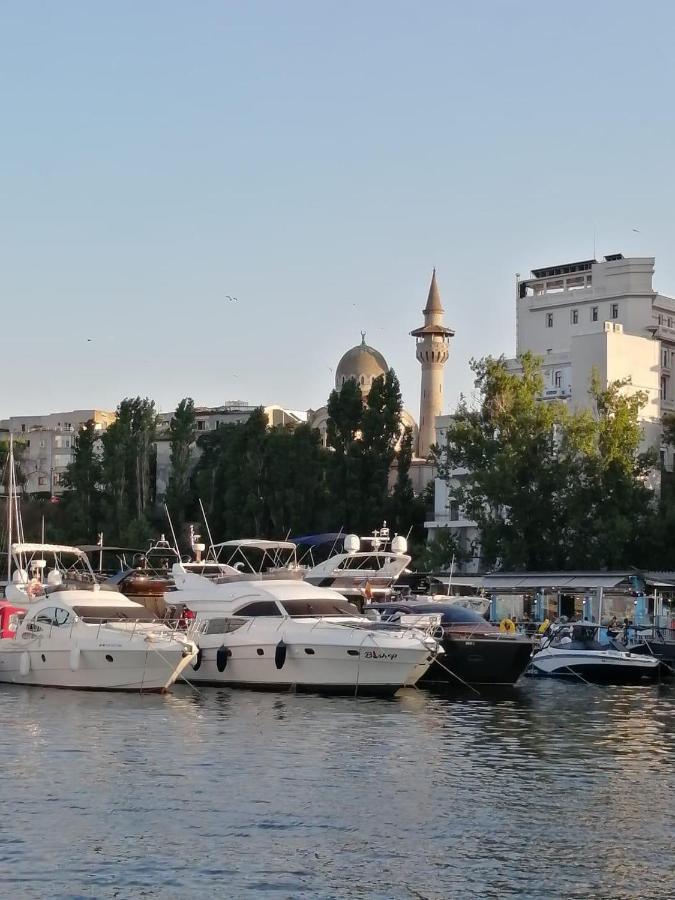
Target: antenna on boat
208,531
173,533
10,501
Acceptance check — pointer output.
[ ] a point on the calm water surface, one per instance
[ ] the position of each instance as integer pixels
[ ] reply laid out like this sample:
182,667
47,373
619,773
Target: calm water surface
554,791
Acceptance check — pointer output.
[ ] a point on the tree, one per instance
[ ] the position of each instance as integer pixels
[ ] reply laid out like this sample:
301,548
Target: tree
549,488
128,464
82,481
182,433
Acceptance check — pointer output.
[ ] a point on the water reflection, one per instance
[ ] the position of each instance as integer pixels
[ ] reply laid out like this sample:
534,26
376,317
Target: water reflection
549,790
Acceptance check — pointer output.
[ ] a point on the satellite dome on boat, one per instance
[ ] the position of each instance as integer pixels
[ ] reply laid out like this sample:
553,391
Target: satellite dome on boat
399,544
352,543
362,364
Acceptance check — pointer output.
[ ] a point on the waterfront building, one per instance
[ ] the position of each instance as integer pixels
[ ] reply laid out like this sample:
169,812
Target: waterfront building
580,317
45,445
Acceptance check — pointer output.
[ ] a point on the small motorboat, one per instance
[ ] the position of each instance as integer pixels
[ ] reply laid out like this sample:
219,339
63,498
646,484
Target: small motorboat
572,650
476,652
274,630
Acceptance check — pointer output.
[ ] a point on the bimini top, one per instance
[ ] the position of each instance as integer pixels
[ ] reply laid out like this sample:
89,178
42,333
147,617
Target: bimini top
257,544
46,548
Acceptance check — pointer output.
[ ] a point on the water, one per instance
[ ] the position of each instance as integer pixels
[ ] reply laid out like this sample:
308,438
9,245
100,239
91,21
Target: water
559,790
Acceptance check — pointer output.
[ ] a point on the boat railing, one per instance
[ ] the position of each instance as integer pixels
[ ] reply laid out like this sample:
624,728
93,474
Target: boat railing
153,630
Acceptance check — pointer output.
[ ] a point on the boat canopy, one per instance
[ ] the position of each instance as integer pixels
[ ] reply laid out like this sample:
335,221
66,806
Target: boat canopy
314,540
257,544
46,548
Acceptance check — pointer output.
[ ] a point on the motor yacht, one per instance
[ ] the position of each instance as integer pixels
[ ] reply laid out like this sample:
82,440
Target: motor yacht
359,568
61,629
476,652
277,631
573,650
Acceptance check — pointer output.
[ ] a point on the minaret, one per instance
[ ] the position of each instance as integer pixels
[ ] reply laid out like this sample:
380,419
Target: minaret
432,349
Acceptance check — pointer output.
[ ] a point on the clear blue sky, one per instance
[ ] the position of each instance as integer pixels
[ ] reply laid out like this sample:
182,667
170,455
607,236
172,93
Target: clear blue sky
314,159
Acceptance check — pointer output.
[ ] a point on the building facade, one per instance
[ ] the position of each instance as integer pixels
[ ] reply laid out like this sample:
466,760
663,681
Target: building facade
581,318
45,445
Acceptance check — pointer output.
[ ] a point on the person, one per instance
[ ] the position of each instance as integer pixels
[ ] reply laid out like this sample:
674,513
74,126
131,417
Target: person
545,625
613,627
626,626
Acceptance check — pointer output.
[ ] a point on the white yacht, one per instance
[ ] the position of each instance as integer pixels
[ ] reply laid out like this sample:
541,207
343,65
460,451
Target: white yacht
276,631
572,650
364,568
64,630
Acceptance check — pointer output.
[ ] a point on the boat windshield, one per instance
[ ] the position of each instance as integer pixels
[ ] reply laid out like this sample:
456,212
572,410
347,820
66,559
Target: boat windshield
98,614
319,607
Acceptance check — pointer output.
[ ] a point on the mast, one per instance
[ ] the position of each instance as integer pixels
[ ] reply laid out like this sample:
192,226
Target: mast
10,501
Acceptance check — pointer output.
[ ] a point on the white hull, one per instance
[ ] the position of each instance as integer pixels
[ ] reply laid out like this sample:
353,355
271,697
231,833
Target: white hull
593,663
131,669
374,666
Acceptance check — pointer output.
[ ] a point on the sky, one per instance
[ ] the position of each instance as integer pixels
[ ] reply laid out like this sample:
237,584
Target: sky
315,160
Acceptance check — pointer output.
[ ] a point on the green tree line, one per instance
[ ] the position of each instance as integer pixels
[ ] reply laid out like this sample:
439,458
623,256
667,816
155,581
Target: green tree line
253,480
551,487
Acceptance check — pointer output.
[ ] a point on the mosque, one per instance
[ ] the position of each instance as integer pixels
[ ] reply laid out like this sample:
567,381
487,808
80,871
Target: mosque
364,363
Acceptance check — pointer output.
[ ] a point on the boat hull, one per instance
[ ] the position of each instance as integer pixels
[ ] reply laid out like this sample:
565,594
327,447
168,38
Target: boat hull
601,667
479,660
340,669
106,669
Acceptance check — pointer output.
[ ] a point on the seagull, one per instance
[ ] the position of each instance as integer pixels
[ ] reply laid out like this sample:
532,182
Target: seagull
231,299
637,231
89,340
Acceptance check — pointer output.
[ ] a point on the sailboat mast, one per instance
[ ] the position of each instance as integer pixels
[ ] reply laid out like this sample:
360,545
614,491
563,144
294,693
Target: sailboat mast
10,501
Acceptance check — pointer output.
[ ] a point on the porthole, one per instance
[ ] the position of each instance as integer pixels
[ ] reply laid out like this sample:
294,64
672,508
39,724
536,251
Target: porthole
44,658
353,652
108,657
260,651
309,651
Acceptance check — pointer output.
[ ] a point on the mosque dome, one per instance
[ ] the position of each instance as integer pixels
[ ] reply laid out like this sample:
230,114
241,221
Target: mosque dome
363,364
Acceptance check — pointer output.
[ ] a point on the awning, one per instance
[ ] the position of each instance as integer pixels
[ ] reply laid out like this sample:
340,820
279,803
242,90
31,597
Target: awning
564,581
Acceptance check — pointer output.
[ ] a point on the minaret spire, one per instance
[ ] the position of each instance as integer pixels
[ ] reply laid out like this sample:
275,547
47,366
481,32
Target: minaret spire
432,351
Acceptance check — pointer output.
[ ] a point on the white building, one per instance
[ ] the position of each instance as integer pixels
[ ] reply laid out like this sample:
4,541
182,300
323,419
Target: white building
605,316
45,444
580,317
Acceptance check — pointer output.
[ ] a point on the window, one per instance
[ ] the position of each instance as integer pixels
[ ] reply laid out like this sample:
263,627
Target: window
664,358
260,608
549,320
46,616
670,322
320,607
42,480
62,617
557,379
43,444
664,388
615,310
454,511
223,626
575,317
660,319
200,425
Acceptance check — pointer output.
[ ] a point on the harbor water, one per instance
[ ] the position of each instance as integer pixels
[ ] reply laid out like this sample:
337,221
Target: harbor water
554,790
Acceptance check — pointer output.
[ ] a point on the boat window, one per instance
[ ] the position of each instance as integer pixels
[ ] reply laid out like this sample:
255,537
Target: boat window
364,562
320,607
114,614
260,608
62,617
223,626
46,616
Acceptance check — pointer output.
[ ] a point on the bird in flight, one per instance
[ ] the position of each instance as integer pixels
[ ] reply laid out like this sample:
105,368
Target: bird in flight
636,230
89,340
231,299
